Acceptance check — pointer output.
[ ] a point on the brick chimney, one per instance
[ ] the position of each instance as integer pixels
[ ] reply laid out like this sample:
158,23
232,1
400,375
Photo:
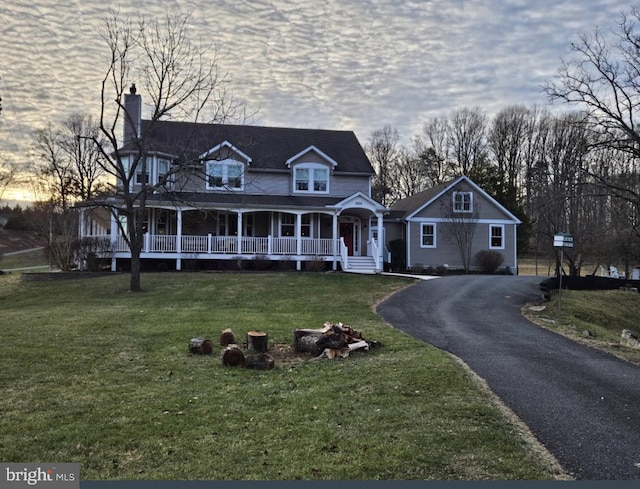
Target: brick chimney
132,115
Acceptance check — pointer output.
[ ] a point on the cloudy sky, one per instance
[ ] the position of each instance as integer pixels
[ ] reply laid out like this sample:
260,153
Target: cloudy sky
335,64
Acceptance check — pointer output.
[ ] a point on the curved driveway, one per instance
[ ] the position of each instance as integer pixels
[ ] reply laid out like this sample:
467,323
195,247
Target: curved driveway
582,404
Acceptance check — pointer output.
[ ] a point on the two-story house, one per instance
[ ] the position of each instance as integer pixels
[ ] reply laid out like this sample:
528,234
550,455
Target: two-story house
246,192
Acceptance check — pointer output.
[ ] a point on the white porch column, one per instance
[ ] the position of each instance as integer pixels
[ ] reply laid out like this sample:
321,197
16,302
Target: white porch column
381,243
82,225
179,240
298,239
239,232
114,239
335,241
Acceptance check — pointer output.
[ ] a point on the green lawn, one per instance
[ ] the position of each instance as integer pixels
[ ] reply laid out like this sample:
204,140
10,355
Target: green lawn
99,376
27,259
604,314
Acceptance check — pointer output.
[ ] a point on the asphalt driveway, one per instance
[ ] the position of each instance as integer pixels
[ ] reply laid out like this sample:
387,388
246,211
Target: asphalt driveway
582,404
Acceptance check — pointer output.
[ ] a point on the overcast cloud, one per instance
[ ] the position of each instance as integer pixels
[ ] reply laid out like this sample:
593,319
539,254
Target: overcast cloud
337,64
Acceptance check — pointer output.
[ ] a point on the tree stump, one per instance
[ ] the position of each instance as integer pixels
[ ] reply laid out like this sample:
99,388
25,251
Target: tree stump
227,337
232,356
200,346
258,341
259,361
304,342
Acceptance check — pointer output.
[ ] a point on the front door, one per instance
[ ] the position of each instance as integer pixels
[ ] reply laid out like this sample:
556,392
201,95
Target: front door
346,232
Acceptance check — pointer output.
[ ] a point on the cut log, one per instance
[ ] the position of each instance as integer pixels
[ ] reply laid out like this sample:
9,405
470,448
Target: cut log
258,341
200,346
306,342
358,345
232,356
227,337
259,361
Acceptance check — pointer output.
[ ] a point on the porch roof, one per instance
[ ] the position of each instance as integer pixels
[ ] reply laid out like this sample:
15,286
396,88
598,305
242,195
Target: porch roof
240,200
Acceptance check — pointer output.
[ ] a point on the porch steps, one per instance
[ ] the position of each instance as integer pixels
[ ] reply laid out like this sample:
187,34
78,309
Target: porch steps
361,264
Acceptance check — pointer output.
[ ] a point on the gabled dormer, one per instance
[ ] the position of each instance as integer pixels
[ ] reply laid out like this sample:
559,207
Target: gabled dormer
225,167
311,171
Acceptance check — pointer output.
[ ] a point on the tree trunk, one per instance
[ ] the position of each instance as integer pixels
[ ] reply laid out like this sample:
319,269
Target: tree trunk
258,341
136,240
232,356
134,281
259,361
200,346
227,338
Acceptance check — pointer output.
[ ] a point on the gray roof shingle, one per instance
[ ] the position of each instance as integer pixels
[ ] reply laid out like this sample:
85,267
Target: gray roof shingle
268,147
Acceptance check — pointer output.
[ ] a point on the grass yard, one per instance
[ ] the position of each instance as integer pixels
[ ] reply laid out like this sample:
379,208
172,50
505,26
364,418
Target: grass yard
28,259
604,313
96,375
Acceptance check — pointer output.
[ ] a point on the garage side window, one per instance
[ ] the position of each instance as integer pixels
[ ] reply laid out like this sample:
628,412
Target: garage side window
496,237
427,235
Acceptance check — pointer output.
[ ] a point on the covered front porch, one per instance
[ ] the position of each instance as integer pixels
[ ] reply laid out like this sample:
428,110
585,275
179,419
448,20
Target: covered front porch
341,235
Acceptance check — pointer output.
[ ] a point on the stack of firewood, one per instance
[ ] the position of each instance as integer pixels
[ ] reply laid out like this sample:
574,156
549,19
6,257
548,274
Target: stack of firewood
332,341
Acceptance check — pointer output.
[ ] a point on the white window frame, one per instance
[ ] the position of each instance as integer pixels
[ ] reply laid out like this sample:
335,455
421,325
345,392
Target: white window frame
311,168
139,180
288,220
502,237
224,165
422,234
156,168
460,202
163,168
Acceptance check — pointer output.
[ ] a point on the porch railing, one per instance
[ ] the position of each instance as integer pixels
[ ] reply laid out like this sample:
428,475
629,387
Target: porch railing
375,252
319,246
210,244
344,254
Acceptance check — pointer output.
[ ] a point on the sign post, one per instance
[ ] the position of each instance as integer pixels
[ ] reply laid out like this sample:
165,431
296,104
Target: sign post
562,241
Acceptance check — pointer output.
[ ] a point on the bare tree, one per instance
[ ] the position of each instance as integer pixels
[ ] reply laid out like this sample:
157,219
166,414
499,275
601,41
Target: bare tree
602,79
78,134
459,225
507,136
410,174
182,78
383,152
431,148
467,139
56,171
7,174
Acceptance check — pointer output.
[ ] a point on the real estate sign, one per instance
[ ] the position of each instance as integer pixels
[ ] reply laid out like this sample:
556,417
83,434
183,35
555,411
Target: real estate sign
563,240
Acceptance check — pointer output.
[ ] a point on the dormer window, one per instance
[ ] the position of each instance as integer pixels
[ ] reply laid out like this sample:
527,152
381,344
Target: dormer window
225,175
462,202
311,178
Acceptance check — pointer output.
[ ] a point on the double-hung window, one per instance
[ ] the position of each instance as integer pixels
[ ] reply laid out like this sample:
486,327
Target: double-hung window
496,237
311,178
142,171
462,202
225,175
287,225
164,166
427,235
